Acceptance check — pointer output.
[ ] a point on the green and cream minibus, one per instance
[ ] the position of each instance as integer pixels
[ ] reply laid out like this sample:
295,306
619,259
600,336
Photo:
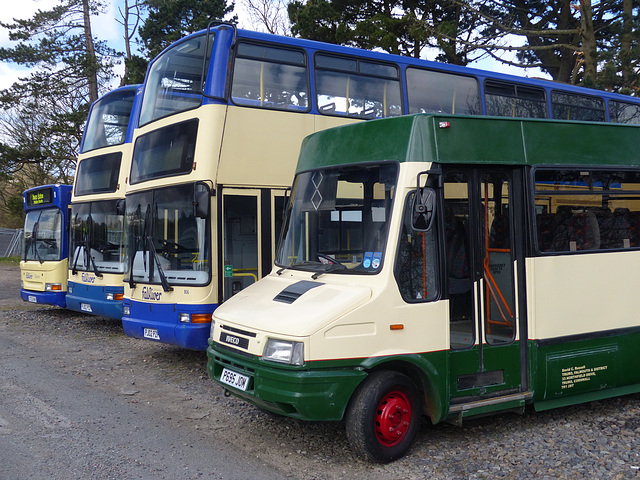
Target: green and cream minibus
447,267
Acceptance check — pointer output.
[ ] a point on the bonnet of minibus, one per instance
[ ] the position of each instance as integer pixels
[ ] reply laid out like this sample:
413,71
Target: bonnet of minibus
292,304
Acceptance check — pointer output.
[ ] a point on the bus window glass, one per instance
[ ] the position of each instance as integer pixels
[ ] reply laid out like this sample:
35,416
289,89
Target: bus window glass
97,229
511,100
458,260
352,87
174,82
108,121
98,174
497,260
167,243
338,219
584,209
439,92
416,268
622,112
565,106
42,235
270,77
163,152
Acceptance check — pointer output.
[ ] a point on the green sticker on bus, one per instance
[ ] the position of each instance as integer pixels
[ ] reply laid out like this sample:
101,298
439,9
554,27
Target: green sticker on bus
228,271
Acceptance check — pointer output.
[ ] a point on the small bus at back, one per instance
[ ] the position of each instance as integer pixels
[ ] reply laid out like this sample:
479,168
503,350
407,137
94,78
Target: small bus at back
43,268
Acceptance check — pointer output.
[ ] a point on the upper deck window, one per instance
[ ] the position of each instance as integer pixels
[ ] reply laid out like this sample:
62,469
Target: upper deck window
98,174
567,106
109,120
440,92
357,88
623,112
163,152
270,77
512,100
175,80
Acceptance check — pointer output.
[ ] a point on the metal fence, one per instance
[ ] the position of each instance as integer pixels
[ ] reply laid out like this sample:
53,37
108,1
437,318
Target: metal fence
10,242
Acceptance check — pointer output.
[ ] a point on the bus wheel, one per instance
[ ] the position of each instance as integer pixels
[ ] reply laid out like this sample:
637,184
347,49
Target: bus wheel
383,417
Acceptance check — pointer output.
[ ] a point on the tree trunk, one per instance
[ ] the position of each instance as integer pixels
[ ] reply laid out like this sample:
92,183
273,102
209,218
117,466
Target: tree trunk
589,46
92,69
625,41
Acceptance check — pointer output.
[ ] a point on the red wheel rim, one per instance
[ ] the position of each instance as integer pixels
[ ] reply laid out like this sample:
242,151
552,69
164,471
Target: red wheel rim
393,418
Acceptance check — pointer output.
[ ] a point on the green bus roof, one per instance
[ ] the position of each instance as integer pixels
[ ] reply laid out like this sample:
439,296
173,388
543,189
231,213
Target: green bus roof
472,140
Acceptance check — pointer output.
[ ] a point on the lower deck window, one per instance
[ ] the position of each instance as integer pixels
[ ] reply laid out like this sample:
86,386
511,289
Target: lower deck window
579,210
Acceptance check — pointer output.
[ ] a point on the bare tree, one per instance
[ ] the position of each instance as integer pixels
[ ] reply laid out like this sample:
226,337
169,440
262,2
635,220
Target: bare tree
130,18
268,15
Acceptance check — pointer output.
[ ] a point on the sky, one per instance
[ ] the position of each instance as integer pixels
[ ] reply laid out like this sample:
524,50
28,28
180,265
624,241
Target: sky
107,28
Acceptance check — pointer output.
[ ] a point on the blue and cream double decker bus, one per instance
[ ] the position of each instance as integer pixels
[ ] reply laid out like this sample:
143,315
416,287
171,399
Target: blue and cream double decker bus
444,266
223,114
96,265
43,268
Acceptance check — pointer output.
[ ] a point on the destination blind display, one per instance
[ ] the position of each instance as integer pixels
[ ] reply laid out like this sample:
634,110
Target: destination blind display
40,197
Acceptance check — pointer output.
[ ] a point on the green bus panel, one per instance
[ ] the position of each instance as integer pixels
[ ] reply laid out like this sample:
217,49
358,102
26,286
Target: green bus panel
571,371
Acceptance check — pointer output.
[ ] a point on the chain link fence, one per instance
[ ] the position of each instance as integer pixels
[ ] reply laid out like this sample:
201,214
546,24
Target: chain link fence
10,242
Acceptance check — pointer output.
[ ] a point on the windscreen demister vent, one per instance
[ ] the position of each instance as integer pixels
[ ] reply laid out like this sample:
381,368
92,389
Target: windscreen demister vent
295,291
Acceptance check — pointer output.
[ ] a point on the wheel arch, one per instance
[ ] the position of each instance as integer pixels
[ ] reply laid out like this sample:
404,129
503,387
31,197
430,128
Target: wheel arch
426,375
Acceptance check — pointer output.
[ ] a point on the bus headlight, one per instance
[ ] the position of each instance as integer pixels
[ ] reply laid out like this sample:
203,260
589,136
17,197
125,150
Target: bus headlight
213,326
115,296
53,287
284,351
126,311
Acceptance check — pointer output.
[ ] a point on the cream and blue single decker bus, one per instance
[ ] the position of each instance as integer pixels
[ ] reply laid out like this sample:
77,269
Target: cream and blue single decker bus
43,269
448,267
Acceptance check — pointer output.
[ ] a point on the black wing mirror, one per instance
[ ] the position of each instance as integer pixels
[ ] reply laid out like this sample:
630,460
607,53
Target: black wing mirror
202,201
424,203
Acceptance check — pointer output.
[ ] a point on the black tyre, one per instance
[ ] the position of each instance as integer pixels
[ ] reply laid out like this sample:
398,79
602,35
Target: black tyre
383,417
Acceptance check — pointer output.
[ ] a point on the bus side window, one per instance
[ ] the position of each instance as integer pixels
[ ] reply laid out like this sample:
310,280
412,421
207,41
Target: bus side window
415,268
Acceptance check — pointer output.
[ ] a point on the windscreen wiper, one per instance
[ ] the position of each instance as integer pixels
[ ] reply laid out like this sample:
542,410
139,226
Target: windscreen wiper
163,278
329,268
34,242
92,260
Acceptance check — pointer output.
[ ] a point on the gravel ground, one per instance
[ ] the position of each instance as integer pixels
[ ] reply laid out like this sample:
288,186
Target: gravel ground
595,440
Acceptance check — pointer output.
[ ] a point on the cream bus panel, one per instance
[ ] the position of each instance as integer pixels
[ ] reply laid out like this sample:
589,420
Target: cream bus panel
34,275
181,294
257,151
251,132
366,333
90,278
575,294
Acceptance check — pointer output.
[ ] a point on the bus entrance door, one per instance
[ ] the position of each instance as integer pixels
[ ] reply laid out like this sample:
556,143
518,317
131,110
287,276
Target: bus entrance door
482,269
240,240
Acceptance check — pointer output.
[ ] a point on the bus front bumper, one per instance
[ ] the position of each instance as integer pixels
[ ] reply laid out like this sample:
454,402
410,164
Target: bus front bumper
161,323
48,298
94,299
320,393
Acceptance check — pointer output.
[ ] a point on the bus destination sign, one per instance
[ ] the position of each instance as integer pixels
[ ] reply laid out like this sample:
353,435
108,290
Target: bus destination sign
43,196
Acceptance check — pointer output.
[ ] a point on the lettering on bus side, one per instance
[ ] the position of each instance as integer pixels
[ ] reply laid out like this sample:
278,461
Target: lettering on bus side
149,293
88,278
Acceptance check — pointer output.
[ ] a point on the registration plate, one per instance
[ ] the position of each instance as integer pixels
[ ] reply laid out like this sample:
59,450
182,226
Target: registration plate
234,379
85,307
151,333
32,299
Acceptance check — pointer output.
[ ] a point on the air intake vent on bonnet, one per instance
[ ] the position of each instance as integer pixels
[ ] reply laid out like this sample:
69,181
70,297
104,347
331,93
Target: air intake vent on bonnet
295,291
